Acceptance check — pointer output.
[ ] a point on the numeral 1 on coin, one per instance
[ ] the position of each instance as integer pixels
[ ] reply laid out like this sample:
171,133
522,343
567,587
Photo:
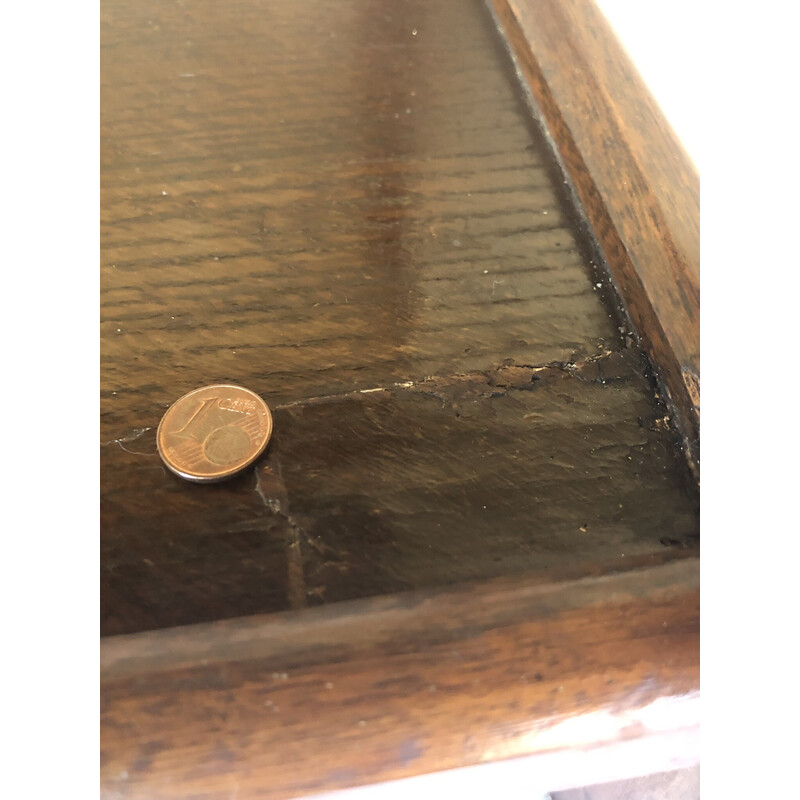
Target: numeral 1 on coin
197,416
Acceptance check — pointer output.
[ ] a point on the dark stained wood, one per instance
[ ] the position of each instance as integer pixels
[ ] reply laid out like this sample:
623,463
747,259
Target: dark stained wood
354,693
307,198
273,217
639,189
523,470
347,207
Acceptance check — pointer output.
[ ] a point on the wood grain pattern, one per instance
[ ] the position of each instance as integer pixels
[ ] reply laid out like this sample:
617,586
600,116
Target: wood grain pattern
353,693
273,217
309,199
346,207
639,189
521,470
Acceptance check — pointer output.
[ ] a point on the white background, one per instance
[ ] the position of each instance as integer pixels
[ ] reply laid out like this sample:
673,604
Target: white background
665,41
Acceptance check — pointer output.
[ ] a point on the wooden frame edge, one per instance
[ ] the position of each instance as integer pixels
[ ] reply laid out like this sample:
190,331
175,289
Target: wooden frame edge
636,185
294,704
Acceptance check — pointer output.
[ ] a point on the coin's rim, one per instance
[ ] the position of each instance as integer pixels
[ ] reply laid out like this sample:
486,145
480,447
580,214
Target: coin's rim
224,474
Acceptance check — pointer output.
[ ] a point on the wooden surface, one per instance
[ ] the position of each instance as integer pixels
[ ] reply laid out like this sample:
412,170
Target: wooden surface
639,189
312,197
347,208
415,487
314,201
352,693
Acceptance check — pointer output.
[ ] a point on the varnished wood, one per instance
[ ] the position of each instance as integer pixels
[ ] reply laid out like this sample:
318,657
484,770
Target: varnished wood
346,207
354,693
273,217
310,199
639,189
528,470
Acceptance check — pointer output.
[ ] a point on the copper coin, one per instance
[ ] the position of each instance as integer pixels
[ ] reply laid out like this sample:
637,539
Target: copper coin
214,432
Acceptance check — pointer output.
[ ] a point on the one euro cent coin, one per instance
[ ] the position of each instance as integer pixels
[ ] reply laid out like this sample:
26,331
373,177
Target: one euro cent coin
214,432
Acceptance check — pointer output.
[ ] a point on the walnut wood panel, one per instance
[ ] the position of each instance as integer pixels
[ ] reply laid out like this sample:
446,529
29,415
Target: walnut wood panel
353,693
639,189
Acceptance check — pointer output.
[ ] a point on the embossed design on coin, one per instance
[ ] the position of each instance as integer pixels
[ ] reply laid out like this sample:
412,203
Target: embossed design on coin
214,432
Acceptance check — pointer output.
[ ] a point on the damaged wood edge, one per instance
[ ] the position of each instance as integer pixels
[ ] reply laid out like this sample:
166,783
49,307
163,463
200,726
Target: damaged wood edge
629,176
510,375
494,376
401,685
577,365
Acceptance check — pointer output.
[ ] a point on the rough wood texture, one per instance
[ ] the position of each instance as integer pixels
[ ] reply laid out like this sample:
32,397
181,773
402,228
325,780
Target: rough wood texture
638,187
315,199
352,693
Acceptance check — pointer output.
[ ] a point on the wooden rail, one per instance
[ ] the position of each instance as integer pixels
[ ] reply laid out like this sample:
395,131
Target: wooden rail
638,187
353,693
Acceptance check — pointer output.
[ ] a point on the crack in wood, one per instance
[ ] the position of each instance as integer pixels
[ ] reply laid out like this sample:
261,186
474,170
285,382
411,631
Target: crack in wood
135,434
276,500
507,376
625,364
